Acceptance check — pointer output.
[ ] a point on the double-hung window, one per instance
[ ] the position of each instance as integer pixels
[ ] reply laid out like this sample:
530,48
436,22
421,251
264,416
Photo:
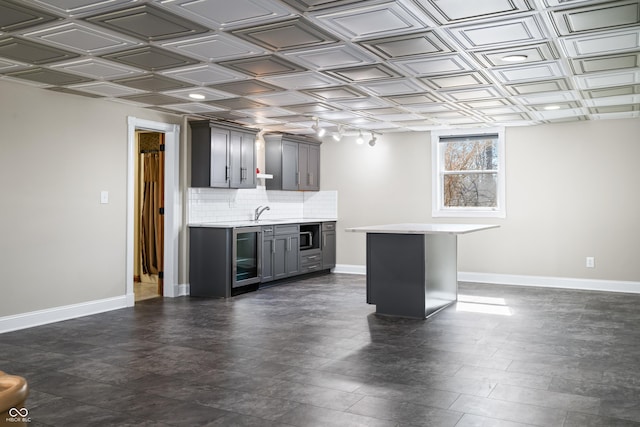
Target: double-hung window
468,173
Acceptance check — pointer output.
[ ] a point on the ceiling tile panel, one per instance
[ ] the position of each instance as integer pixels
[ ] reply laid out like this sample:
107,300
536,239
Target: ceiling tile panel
215,47
150,58
375,19
152,99
284,98
32,53
496,34
428,66
226,14
450,11
192,107
336,93
597,64
48,77
312,108
263,66
312,5
207,93
208,74
148,23
363,103
152,83
293,34
599,16
538,52
601,80
97,68
106,89
471,94
536,87
74,8
602,43
247,87
327,58
17,16
304,80
364,73
460,80
82,38
237,104
393,87
413,99
612,91
425,43
539,71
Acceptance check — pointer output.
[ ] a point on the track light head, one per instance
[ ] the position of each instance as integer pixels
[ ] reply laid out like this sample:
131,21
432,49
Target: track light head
360,139
372,141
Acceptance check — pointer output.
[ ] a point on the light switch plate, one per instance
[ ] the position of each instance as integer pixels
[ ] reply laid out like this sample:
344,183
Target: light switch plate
104,197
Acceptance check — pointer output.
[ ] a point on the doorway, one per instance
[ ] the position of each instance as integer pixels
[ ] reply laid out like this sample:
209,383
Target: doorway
172,218
149,212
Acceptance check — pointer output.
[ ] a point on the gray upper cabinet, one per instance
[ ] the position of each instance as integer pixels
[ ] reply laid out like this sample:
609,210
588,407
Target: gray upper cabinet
294,162
222,156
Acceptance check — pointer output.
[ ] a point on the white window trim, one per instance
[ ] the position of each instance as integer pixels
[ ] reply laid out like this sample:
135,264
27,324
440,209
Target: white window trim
437,208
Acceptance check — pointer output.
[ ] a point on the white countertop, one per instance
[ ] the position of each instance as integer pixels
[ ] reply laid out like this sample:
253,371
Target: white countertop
422,228
266,221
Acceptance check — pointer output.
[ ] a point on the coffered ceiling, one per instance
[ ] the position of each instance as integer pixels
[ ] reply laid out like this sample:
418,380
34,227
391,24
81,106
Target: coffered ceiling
370,65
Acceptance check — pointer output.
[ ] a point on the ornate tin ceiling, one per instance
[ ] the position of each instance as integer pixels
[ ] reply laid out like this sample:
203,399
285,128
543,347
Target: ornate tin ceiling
371,65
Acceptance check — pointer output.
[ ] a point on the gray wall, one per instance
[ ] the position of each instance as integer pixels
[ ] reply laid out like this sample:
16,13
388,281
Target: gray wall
59,246
571,193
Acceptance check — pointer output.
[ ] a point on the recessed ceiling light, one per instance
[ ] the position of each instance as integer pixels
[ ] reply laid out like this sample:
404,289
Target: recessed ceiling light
514,58
552,107
196,96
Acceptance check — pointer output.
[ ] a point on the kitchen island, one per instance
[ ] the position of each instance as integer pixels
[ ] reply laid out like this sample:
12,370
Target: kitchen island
412,269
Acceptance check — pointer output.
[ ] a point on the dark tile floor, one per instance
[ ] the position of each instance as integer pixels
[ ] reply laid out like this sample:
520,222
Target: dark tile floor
312,353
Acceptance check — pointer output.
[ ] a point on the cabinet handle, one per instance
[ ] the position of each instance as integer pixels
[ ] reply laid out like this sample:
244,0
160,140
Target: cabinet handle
226,173
243,174
297,178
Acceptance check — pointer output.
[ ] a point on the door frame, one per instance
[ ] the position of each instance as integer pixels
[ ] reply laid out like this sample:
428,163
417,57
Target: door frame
172,211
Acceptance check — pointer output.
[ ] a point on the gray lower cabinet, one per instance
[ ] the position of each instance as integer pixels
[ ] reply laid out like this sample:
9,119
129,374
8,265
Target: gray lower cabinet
294,162
328,245
210,261
280,252
222,156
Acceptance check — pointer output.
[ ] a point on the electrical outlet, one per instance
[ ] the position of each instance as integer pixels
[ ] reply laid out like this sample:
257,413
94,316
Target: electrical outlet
591,262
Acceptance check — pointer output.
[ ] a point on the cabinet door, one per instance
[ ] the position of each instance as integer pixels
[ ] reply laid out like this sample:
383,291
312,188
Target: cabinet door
219,158
303,166
242,160
313,168
293,255
280,257
328,249
248,161
290,176
268,252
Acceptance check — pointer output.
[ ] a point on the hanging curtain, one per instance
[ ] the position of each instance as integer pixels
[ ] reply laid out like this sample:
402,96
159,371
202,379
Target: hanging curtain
151,237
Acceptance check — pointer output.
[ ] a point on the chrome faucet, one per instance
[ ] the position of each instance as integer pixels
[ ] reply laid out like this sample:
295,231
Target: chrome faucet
259,211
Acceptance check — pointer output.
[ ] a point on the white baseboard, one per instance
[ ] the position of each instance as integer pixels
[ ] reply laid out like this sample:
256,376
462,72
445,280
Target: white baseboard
57,314
552,282
350,269
183,289
520,280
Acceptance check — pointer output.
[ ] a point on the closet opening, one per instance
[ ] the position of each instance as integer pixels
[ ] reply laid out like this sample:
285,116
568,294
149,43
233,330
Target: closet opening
149,216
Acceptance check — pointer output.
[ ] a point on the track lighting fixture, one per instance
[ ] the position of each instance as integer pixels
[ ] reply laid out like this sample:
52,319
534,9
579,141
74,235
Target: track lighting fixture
360,139
319,131
372,141
337,136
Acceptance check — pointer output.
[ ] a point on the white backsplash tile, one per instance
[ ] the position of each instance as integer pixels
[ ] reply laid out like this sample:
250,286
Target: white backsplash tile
220,205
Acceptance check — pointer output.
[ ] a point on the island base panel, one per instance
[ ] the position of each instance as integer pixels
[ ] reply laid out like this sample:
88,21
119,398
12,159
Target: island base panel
411,275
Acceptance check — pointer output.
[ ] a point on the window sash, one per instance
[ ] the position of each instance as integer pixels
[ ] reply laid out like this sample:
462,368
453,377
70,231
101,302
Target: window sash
439,142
